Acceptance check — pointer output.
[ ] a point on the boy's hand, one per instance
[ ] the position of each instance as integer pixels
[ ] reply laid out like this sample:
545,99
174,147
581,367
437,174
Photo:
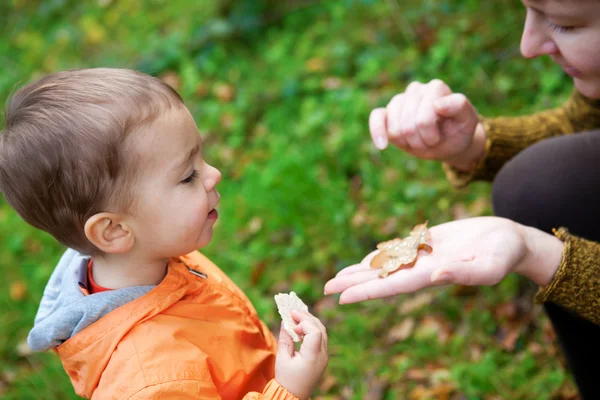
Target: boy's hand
300,371
474,251
431,122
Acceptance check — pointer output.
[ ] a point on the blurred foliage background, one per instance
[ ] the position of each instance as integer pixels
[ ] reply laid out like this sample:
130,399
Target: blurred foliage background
281,91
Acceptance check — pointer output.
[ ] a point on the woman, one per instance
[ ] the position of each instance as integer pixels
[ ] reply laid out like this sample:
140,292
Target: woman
544,175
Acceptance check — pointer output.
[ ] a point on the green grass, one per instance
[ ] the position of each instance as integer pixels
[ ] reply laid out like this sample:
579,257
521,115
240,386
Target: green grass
304,192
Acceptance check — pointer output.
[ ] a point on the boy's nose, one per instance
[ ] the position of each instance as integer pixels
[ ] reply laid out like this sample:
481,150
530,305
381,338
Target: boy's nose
213,178
535,41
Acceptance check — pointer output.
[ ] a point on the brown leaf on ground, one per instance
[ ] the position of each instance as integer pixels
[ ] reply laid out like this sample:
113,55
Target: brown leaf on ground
376,388
567,391
227,120
389,226
33,246
508,311
172,79
332,83
328,382
417,374
18,290
416,302
401,331
459,211
23,349
434,326
508,337
324,304
255,225
315,64
257,272
535,348
475,353
360,217
463,291
224,92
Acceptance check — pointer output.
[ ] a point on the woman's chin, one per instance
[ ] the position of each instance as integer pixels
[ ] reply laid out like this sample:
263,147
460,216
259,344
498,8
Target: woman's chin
588,88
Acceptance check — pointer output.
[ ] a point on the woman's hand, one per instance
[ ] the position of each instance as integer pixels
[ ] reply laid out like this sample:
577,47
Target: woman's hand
431,122
475,251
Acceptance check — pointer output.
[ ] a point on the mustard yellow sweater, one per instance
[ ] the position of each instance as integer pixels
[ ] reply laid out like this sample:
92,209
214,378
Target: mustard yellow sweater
576,284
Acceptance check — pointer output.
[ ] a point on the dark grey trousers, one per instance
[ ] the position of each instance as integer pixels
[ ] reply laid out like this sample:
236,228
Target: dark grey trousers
551,184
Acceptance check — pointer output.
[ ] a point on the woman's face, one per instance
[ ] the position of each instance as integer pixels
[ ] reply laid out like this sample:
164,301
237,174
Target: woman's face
569,32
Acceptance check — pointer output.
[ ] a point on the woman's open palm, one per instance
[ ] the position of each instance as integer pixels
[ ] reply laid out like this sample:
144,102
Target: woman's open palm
475,251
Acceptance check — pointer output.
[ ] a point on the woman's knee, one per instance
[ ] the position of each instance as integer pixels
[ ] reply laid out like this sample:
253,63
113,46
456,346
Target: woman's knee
516,193
552,183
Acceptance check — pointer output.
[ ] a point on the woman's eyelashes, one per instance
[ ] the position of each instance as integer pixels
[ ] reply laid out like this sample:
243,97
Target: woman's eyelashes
560,28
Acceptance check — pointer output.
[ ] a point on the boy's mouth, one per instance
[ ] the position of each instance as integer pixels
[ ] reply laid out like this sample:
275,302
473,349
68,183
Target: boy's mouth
213,214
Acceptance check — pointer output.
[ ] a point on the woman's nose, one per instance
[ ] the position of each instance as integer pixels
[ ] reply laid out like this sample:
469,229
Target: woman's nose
535,40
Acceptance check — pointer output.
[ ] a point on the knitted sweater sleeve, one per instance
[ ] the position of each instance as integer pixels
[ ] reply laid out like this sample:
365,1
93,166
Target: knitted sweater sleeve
576,284
507,136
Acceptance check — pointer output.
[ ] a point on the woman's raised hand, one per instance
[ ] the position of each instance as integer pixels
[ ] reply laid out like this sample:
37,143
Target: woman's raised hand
430,122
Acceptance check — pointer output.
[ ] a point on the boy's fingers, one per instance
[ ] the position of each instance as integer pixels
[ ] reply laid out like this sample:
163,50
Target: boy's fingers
313,338
377,127
286,344
306,316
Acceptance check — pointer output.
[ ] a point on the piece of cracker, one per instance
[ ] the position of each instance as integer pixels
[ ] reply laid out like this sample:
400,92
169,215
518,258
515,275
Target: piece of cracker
285,304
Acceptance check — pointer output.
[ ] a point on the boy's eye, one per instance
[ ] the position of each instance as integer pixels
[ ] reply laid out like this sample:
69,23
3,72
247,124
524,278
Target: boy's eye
560,28
191,178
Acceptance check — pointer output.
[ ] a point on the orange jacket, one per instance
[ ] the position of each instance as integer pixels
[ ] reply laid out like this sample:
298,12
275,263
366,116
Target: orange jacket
188,338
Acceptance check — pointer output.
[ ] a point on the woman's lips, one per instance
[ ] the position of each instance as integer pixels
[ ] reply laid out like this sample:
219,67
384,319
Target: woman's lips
572,71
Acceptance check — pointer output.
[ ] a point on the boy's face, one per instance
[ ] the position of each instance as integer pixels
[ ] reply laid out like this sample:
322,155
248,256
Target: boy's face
569,32
174,211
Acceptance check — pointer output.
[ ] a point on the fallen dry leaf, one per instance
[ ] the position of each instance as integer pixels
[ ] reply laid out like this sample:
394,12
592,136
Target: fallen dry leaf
416,302
18,290
328,382
416,374
376,388
324,304
332,82
23,349
172,79
315,64
433,326
257,272
224,92
398,253
401,331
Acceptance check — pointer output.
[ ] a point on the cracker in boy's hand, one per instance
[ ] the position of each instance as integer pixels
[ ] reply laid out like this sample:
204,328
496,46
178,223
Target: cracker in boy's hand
285,304
398,253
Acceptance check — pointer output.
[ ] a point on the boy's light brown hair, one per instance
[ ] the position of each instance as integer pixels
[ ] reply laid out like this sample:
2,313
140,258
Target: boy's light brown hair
64,153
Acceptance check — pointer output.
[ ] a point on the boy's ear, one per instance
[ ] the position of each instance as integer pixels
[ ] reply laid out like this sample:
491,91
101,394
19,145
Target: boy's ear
109,233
